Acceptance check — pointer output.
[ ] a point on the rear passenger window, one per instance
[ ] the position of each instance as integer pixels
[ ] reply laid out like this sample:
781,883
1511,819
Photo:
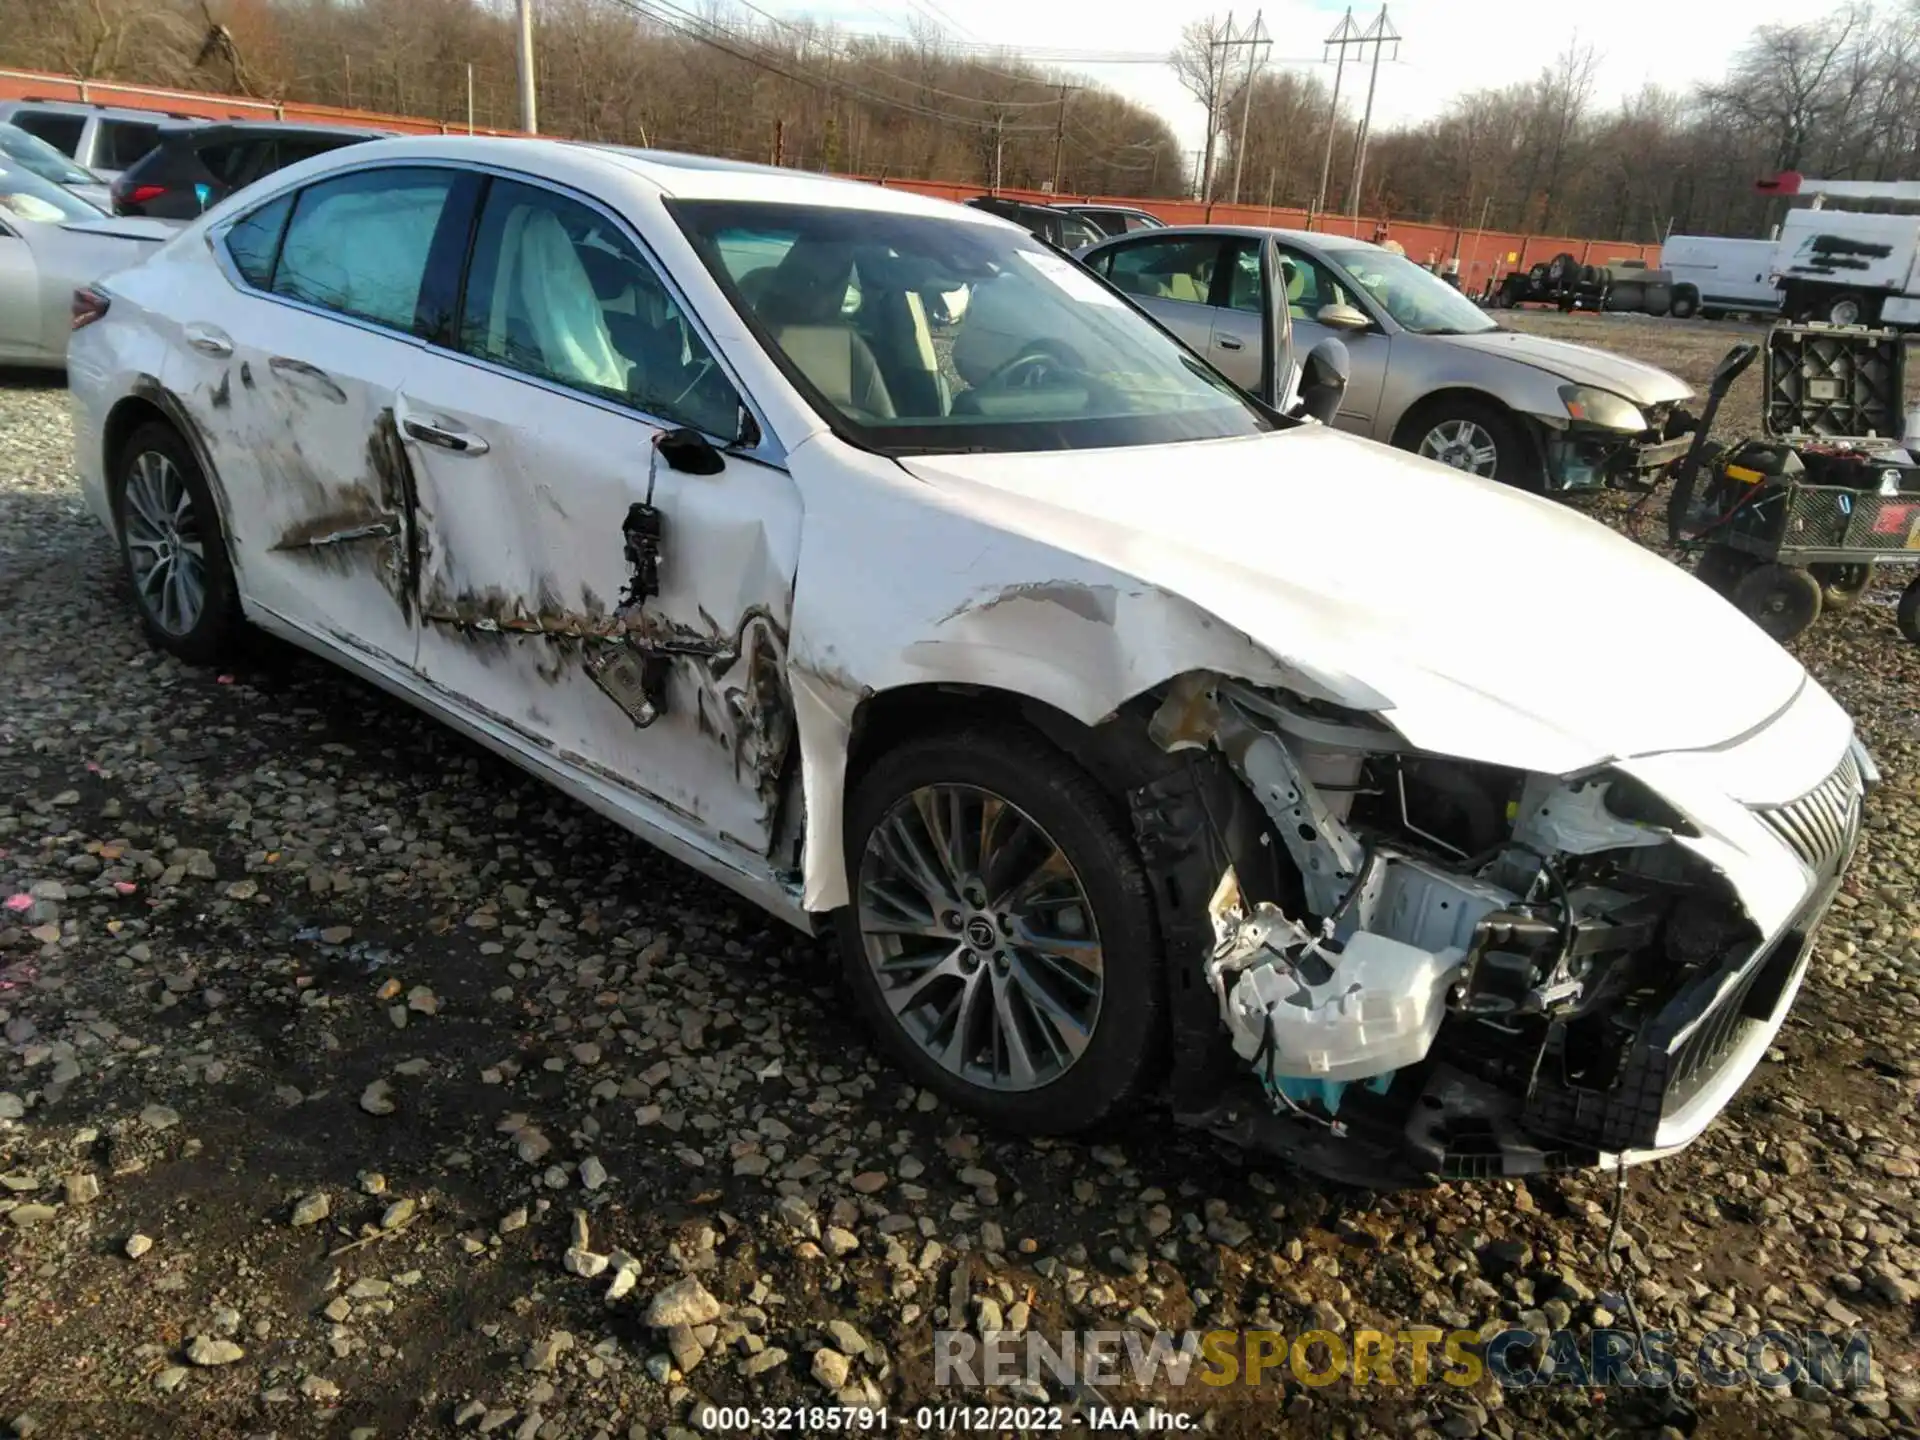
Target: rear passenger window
60,131
124,141
359,244
254,240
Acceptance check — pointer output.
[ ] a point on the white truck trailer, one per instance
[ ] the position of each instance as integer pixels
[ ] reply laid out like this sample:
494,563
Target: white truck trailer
1847,267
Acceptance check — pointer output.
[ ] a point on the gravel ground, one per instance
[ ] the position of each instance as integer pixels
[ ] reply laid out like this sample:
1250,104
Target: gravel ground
354,1084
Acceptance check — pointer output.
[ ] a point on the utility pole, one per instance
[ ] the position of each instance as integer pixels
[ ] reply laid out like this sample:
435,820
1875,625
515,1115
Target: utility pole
469,97
1380,34
529,117
780,141
999,141
1254,40
1060,135
1343,36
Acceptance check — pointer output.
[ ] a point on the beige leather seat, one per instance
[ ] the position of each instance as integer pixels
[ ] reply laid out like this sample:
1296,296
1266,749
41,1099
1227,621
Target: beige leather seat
801,305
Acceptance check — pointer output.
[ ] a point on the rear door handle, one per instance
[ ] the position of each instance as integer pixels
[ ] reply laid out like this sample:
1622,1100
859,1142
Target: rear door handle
1227,342
209,341
461,442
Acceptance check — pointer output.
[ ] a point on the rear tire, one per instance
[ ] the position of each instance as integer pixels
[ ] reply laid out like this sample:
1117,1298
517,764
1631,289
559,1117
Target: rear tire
1848,307
1907,616
1780,599
1841,585
948,952
1684,303
173,548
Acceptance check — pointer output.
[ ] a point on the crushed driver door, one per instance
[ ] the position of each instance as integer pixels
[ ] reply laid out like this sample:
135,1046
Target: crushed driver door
626,616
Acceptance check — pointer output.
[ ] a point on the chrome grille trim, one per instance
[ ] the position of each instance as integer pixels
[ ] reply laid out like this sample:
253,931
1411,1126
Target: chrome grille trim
1819,827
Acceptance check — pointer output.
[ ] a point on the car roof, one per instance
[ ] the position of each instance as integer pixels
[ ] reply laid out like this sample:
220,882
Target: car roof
665,172
1313,239
106,112
265,128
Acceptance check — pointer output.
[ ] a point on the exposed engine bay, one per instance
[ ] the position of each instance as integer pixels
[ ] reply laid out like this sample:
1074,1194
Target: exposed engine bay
1437,964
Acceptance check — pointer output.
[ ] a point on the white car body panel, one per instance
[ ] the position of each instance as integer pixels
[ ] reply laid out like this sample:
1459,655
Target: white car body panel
809,577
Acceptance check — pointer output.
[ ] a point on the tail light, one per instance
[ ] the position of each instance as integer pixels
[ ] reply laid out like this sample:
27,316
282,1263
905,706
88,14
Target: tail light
128,198
89,305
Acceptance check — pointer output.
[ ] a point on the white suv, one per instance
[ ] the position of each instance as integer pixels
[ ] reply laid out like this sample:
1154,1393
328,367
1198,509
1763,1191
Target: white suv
897,572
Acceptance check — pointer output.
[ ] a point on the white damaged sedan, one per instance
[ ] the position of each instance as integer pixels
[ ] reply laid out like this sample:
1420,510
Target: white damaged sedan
1131,736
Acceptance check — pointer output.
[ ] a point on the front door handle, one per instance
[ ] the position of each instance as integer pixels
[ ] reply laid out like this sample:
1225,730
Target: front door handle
1227,342
209,341
461,442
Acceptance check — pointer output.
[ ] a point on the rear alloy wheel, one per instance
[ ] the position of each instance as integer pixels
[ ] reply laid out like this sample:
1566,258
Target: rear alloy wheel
175,554
1780,599
1000,940
1841,585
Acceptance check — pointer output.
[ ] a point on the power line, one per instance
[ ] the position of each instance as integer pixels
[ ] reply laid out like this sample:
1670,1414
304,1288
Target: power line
692,28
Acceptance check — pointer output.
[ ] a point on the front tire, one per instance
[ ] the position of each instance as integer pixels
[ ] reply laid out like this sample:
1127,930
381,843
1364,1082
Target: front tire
1684,303
1475,438
1001,942
173,548
1781,599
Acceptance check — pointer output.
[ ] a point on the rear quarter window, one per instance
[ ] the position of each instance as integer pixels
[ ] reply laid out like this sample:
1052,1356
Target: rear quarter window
253,243
122,142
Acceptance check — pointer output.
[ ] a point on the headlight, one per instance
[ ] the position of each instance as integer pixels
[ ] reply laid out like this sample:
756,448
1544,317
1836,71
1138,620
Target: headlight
1601,409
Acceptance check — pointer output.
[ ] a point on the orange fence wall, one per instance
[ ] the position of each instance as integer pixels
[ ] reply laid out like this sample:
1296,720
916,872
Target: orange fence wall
1482,253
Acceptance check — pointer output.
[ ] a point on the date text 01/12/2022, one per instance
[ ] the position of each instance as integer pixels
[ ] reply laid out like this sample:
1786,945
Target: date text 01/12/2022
935,1419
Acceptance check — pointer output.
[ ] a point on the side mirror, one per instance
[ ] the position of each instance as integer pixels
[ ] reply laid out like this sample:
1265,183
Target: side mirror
689,452
1342,317
1323,380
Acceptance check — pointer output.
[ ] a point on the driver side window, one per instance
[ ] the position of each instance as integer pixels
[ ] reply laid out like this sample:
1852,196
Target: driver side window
555,290
1170,269
1310,285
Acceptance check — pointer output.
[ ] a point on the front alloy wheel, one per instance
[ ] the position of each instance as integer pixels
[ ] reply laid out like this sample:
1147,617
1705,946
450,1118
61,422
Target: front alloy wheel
981,938
165,551
1465,445
1001,941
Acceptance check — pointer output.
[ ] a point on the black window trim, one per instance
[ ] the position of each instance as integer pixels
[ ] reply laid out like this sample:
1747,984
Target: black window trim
767,449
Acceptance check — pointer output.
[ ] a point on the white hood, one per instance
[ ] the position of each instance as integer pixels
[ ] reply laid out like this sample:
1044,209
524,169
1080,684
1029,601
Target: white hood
1494,624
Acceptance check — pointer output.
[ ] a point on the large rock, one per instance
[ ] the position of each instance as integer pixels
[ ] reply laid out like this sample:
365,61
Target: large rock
684,1302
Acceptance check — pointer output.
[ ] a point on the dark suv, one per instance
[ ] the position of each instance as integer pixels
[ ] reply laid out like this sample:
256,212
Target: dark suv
194,167
1048,222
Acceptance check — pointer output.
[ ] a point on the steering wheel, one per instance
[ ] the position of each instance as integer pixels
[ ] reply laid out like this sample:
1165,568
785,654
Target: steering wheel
1031,368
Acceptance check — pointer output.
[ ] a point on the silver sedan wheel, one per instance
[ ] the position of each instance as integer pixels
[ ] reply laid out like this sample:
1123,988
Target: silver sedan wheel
981,937
164,543
1464,445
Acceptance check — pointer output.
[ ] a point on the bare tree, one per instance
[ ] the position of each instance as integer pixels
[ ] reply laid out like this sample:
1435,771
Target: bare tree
1199,62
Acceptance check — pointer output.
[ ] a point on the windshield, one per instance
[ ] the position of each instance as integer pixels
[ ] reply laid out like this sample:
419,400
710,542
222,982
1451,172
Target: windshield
25,196
30,152
1418,299
918,334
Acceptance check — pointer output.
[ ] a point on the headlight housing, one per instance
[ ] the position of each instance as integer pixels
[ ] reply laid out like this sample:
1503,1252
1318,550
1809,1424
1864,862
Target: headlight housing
1601,409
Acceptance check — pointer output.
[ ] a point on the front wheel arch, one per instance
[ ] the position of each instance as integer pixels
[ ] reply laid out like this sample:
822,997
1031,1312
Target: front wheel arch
1419,417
